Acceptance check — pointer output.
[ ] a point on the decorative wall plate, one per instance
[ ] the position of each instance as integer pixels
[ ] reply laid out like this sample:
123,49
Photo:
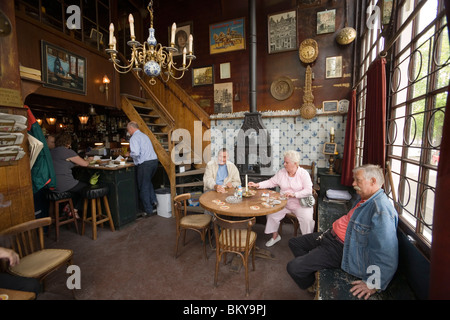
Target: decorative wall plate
308,51
343,105
282,88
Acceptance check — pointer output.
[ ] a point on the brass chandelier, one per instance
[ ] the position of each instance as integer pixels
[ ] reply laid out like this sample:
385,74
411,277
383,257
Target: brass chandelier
155,59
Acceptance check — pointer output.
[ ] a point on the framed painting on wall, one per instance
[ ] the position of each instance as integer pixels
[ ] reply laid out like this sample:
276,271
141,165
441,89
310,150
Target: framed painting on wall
333,67
225,70
223,97
202,76
282,31
227,36
330,106
326,21
63,70
181,37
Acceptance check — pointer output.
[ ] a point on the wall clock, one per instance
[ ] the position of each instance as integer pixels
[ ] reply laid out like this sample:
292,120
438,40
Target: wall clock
308,51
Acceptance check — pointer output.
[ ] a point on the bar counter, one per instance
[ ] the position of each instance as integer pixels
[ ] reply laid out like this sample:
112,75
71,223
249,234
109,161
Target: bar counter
123,195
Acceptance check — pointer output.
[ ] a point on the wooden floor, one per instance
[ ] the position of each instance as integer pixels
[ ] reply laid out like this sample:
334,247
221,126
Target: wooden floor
137,263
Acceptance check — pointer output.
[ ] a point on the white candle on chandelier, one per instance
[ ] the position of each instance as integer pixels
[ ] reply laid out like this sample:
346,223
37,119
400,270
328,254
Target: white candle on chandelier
184,56
174,28
191,43
332,130
111,33
114,43
131,20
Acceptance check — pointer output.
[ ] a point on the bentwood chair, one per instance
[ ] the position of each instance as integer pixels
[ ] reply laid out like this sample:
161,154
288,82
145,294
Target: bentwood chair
199,223
234,237
27,239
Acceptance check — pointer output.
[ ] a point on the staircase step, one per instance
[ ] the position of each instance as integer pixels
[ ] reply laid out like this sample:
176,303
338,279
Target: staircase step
154,116
190,184
190,172
156,124
142,107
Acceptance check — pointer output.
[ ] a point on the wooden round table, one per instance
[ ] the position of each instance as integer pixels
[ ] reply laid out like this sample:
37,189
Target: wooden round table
249,207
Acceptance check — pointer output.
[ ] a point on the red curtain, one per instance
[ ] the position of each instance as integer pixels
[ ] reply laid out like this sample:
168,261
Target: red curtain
375,121
348,160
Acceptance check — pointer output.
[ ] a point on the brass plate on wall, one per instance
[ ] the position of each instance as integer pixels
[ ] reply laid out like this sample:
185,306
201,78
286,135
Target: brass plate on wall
282,88
308,51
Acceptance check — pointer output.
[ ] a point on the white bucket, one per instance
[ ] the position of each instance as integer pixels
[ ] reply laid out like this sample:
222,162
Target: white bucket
164,208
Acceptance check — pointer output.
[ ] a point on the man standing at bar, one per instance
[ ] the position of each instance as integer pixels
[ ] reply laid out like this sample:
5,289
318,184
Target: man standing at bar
146,162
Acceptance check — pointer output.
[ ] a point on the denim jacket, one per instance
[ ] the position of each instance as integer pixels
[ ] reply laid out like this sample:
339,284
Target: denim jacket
371,245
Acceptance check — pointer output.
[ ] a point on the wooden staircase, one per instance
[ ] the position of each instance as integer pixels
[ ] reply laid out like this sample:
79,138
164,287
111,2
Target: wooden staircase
167,108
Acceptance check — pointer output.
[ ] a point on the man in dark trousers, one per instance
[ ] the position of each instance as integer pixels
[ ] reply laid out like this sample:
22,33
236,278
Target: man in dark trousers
363,242
146,162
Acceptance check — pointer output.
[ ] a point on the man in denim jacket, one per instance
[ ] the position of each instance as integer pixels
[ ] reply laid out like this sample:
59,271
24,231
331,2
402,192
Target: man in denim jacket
362,243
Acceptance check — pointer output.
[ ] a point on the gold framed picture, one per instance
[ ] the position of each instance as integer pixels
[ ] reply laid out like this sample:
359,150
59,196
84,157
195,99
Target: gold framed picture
227,36
202,76
330,106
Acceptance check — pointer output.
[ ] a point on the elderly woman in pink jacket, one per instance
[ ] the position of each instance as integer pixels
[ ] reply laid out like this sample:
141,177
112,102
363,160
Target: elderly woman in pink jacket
295,183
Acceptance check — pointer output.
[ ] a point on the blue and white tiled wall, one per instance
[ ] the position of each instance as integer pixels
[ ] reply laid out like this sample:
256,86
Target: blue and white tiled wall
291,132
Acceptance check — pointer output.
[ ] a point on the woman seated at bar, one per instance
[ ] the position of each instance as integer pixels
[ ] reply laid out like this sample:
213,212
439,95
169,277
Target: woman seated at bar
64,159
295,183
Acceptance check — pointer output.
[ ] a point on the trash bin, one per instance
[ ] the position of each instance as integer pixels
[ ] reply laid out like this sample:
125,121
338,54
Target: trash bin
164,208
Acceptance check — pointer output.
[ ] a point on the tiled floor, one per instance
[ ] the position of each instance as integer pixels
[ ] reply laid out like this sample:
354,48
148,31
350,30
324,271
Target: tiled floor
137,263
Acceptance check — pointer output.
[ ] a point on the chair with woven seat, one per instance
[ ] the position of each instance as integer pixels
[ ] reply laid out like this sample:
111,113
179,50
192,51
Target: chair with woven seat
292,217
199,223
56,199
235,237
95,194
27,239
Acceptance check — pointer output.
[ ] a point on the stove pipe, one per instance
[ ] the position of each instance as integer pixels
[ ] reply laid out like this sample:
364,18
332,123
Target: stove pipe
252,64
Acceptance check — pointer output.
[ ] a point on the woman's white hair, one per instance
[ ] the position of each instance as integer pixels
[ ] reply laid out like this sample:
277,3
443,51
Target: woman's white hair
293,155
371,171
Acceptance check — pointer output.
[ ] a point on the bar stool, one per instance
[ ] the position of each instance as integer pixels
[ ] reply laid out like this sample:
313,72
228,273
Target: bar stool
95,194
57,198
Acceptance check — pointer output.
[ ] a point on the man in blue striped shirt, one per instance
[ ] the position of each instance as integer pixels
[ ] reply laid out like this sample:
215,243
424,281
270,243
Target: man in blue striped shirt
146,162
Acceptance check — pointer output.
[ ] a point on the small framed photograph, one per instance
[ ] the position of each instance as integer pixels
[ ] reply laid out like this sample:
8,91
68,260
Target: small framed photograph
326,21
329,148
225,70
223,97
202,76
181,37
333,67
282,31
330,106
227,36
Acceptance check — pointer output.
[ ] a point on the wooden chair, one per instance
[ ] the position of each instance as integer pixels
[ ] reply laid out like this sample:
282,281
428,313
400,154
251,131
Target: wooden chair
199,223
27,239
290,216
236,237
